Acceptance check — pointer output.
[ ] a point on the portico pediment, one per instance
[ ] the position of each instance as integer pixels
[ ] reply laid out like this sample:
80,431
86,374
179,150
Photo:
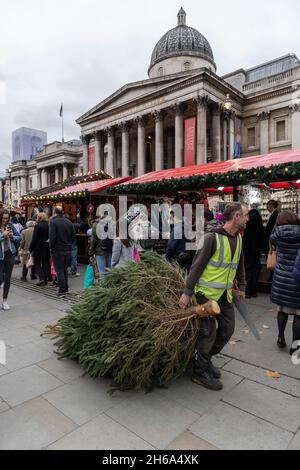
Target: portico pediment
135,94
131,94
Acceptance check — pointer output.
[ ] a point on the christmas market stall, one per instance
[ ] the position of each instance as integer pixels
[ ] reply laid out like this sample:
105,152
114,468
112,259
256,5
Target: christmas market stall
251,180
79,197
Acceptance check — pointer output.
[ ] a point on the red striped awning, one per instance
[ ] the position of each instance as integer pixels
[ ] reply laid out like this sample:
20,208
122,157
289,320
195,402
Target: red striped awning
246,163
92,186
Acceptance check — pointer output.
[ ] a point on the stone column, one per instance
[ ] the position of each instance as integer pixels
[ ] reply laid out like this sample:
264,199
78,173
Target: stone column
65,171
231,135
141,146
202,104
99,151
225,142
110,151
216,133
38,181
159,139
179,134
44,178
264,118
170,149
295,112
86,146
125,126
23,185
57,176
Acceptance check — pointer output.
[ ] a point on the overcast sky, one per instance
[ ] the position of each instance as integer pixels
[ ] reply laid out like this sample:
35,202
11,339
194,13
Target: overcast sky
78,52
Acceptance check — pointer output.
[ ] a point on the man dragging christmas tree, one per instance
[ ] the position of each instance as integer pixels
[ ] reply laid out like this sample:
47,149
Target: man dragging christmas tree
216,269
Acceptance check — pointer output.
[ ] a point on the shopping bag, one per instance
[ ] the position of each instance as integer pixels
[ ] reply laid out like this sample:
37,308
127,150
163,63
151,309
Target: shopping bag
89,277
272,258
30,262
136,255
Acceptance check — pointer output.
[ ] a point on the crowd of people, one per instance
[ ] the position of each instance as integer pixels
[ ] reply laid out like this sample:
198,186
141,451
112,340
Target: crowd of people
228,264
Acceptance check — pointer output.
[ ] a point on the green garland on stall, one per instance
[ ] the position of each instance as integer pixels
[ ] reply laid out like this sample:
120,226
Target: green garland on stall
282,172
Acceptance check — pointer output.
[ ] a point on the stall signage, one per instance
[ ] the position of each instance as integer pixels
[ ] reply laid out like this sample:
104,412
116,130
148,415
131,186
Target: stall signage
189,141
92,168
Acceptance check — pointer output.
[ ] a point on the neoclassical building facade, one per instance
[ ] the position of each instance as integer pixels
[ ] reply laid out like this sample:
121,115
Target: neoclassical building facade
180,114
54,163
183,113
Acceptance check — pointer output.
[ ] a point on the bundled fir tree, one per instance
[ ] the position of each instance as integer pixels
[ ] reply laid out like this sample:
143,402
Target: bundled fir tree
130,328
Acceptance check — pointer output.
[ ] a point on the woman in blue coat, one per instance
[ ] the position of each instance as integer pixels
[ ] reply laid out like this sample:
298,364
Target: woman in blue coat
285,291
9,241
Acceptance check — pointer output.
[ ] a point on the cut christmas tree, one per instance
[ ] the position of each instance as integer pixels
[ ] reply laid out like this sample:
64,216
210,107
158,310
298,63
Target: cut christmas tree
131,328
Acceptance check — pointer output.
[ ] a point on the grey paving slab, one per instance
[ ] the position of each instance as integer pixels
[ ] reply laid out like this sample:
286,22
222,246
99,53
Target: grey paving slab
295,443
47,344
63,369
3,406
83,399
102,433
3,370
153,417
188,441
257,374
25,355
11,323
259,355
34,425
272,405
20,336
50,316
229,428
268,336
197,398
23,385
2,329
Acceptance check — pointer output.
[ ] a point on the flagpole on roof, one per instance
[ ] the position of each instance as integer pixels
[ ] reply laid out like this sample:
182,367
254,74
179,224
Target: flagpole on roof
61,113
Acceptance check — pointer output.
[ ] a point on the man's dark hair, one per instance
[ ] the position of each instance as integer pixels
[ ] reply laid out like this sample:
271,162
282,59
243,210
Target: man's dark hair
208,215
58,210
231,209
273,203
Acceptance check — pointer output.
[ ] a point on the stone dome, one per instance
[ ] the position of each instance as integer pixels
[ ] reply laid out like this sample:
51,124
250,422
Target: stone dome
183,41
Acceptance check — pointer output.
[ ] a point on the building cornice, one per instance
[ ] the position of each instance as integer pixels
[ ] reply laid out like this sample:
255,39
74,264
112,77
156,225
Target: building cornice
269,95
205,76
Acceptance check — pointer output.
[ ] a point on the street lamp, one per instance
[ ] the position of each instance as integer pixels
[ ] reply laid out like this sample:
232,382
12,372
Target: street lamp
227,104
10,188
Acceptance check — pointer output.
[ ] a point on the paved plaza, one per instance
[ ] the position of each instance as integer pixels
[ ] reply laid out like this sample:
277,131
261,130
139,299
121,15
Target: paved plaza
46,403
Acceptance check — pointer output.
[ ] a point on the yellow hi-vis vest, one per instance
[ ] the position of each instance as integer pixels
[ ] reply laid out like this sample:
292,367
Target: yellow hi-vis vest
220,272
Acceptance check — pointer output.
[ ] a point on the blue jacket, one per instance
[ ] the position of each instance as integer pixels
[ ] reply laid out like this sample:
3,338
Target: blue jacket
285,291
296,271
12,243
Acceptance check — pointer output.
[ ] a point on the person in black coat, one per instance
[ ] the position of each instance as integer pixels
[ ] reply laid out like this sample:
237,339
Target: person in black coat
253,246
272,207
39,247
285,291
61,237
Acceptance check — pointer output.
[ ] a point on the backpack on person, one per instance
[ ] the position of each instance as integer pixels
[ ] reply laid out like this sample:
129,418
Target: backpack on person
107,243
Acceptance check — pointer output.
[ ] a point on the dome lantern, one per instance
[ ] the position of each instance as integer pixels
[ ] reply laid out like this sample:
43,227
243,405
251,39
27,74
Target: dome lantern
180,49
181,17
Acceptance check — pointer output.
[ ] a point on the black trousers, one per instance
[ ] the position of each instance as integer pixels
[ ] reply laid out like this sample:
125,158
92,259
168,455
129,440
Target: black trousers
6,269
61,263
212,340
252,271
42,266
25,272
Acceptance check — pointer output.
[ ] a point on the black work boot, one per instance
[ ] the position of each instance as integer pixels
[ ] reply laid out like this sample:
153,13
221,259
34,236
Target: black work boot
213,371
207,381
